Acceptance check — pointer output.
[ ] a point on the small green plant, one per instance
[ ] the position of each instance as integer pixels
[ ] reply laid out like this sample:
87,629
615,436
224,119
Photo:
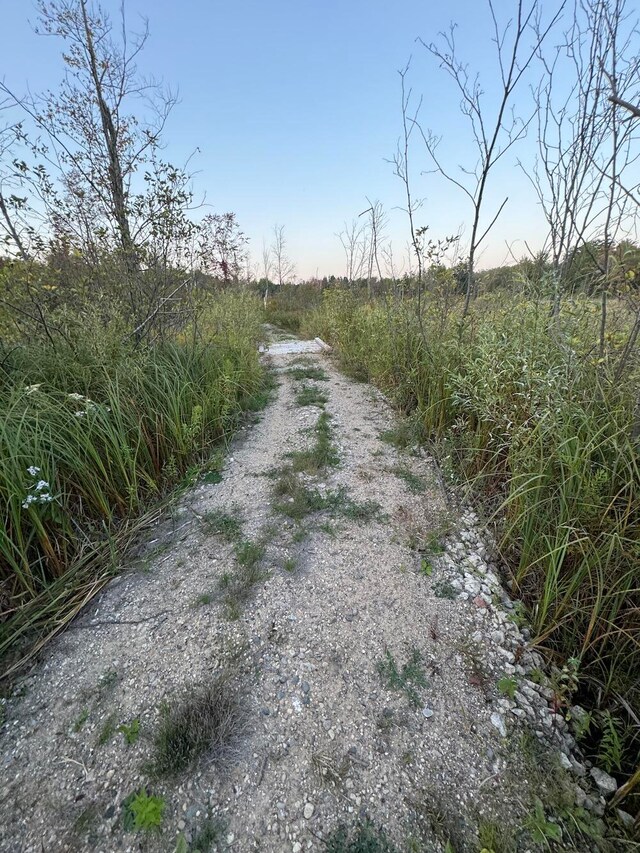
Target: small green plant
107,681
290,564
224,524
508,685
108,730
407,679
309,395
130,731
426,568
308,372
415,483
541,830
610,748
495,837
444,589
248,553
204,599
564,682
209,720
323,454
365,837
142,812
82,718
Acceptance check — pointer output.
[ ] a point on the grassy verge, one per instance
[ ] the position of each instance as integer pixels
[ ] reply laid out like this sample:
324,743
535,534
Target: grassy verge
89,449
529,418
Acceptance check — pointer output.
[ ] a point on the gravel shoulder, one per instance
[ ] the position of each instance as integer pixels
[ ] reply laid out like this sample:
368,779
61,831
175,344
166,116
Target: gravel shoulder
331,729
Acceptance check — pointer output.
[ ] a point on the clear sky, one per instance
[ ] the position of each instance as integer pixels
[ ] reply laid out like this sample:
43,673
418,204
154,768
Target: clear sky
294,105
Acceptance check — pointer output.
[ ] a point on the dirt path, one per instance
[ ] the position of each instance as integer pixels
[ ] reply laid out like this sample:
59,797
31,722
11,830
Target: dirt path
313,618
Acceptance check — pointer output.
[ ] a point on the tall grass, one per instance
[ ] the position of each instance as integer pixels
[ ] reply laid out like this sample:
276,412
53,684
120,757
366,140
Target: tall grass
79,464
529,416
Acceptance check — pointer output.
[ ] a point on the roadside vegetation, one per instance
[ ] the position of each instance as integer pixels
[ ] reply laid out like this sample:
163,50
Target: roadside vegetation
126,359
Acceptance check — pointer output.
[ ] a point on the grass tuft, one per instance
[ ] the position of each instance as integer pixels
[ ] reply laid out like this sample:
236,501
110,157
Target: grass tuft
308,395
308,371
209,721
228,525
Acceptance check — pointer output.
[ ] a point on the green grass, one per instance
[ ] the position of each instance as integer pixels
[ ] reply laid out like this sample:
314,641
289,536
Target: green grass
228,525
204,599
321,455
308,372
364,837
540,431
107,730
209,721
82,718
237,585
100,441
415,483
407,679
297,501
308,395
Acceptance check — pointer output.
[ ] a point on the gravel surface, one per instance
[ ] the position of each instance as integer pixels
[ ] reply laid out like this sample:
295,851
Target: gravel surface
323,737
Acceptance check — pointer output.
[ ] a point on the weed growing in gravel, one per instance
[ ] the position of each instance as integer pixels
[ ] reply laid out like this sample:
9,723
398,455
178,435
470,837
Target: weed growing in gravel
415,483
108,730
426,568
299,534
297,501
496,837
508,685
310,371
142,812
130,732
365,511
82,718
407,679
290,564
208,721
363,838
211,833
444,589
204,599
249,572
107,681
406,433
309,395
323,453
249,553
228,525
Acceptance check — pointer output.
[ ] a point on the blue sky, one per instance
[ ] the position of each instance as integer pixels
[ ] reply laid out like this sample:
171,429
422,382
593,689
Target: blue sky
294,106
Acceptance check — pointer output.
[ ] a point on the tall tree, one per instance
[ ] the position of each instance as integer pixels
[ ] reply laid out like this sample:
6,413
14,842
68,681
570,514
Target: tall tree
494,127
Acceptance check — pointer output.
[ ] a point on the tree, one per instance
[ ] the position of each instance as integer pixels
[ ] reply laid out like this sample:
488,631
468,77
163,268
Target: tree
495,128
353,239
284,268
95,139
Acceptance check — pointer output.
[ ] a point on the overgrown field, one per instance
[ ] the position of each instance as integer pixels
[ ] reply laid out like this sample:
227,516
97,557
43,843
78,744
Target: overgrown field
94,433
528,416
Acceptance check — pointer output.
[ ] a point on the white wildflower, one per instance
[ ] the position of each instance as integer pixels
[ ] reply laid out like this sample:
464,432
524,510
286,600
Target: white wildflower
31,389
77,397
28,501
33,470
79,414
40,485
